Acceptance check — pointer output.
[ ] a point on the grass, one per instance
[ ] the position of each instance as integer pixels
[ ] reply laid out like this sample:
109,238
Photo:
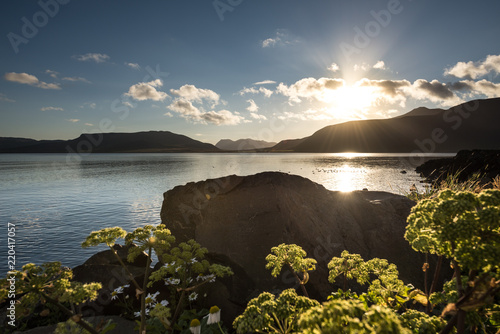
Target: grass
474,184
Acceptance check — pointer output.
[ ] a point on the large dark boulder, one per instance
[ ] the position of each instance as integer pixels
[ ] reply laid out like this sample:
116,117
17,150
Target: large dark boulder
240,218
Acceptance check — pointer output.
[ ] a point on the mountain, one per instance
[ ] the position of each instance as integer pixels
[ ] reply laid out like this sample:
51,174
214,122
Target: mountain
471,125
139,142
243,144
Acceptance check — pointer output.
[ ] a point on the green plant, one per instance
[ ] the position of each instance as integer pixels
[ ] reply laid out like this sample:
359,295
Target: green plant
421,323
268,314
385,287
292,256
350,316
49,283
464,227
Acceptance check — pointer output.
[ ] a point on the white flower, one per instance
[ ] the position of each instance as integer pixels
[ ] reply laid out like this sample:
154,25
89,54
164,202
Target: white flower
126,286
164,302
193,296
116,292
172,281
214,315
193,260
195,326
151,298
137,314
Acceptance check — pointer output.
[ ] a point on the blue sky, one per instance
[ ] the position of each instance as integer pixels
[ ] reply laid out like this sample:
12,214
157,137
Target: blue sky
268,70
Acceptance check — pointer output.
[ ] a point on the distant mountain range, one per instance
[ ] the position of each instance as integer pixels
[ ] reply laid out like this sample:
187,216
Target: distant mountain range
243,144
143,142
472,125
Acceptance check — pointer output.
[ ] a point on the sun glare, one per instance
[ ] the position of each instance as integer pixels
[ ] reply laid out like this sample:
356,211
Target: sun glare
350,102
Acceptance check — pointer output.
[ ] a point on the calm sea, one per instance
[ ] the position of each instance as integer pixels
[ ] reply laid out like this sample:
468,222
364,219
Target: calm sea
56,200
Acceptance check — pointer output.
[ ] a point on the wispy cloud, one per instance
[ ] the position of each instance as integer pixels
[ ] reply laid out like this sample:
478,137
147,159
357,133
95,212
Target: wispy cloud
147,91
73,120
253,90
53,74
281,38
28,79
76,79
253,107
51,108
309,88
4,98
265,82
95,57
135,66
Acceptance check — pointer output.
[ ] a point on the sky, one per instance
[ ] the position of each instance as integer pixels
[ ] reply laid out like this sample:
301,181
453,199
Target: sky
214,69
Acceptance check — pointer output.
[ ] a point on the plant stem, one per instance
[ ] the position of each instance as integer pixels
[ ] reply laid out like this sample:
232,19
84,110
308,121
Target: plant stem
70,314
143,295
299,281
178,308
437,272
126,268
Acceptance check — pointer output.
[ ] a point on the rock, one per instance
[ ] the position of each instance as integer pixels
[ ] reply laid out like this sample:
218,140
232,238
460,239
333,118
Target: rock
241,218
105,268
486,163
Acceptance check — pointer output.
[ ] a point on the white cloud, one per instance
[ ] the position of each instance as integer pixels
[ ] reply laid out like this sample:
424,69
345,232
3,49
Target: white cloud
28,79
89,124
135,66
483,87
52,108
281,38
169,114
191,93
73,120
474,70
95,57
265,82
363,67
4,98
147,91
308,115
334,67
258,116
380,65
253,90
253,106
188,111
222,117
309,88
53,74
75,79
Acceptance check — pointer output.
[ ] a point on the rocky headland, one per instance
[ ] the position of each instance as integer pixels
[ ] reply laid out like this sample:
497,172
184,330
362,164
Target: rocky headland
465,165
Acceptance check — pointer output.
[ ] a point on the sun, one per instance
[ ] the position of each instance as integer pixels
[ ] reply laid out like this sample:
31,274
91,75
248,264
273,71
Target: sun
350,102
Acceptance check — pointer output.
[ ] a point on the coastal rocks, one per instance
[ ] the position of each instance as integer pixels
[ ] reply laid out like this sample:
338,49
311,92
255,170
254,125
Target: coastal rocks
242,218
486,163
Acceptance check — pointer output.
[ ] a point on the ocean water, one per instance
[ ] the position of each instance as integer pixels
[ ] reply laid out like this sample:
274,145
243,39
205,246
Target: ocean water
56,200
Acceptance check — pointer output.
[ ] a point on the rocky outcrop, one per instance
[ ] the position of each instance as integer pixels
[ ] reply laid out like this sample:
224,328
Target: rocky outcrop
485,163
241,218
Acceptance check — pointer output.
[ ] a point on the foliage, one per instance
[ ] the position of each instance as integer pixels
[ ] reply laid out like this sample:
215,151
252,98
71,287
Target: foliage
147,238
106,236
385,287
291,255
462,226
421,323
48,283
268,314
350,316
